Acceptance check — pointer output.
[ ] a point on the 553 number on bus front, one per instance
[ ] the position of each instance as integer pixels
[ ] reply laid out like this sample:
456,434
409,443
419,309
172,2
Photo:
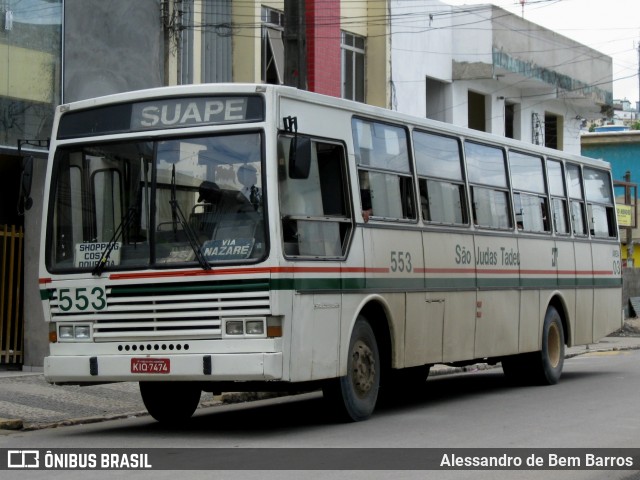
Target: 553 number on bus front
82,299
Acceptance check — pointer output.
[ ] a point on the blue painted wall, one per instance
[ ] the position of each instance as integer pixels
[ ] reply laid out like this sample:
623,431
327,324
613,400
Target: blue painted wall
623,157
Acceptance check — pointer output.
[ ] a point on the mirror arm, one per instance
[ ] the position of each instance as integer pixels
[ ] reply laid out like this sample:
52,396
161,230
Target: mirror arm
291,126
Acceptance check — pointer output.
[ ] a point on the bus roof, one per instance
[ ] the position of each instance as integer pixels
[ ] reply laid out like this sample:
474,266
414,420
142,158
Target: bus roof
356,108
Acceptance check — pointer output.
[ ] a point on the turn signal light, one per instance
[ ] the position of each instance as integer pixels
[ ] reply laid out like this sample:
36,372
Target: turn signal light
274,327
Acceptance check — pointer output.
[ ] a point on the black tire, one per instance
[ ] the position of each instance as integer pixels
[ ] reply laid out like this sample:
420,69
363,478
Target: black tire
171,403
354,396
552,354
545,366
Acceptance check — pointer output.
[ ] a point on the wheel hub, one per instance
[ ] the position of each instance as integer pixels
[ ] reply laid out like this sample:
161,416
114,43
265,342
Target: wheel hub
553,345
364,368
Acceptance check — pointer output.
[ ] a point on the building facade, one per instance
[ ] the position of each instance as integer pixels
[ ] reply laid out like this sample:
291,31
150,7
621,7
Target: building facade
622,150
30,88
485,68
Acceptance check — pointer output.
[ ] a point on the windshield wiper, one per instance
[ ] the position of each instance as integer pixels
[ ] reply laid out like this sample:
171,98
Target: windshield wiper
176,212
104,258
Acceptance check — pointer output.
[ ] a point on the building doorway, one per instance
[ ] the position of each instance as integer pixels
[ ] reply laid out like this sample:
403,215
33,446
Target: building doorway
11,264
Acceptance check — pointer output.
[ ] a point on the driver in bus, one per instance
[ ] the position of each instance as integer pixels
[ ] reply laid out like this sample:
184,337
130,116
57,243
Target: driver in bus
248,177
222,201
209,192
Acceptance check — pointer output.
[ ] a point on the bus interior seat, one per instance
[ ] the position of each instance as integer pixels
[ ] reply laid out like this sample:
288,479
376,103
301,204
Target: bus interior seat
170,232
202,221
234,228
172,243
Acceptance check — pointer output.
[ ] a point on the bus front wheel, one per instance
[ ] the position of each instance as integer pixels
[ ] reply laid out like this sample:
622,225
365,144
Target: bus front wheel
170,402
543,367
354,396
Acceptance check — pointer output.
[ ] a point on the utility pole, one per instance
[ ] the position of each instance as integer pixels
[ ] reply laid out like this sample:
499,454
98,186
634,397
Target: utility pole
295,44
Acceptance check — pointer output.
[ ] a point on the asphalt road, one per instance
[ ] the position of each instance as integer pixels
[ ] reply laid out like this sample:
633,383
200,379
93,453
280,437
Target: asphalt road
594,406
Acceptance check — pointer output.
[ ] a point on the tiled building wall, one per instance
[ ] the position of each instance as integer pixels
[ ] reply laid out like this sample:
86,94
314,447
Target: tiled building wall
323,46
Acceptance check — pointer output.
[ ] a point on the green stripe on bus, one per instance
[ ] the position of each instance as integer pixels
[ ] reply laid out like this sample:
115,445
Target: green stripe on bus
362,283
607,282
539,282
448,282
510,282
179,288
353,283
395,283
46,294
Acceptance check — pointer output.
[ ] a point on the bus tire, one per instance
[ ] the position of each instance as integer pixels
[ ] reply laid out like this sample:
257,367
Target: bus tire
171,403
552,353
545,366
353,397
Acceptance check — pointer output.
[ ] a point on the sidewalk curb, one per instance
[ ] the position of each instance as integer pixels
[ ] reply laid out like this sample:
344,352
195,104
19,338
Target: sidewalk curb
11,424
447,370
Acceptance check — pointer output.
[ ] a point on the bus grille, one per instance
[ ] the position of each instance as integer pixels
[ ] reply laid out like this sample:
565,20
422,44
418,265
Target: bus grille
192,311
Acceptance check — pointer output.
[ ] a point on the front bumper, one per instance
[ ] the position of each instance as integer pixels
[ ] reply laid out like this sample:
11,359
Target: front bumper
183,367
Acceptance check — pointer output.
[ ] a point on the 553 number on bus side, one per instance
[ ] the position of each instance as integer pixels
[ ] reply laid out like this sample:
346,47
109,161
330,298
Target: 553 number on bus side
401,261
82,299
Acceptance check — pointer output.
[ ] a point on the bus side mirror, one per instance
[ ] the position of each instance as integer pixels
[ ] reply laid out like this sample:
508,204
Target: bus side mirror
300,157
25,202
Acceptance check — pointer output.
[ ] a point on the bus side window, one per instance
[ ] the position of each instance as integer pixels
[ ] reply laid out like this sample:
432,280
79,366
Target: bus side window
439,166
529,198
601,221
576,198
600,206
489,188
315,213
560,219
384,171
558,194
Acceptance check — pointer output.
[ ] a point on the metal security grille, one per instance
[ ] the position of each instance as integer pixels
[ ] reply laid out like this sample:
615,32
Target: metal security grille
11,313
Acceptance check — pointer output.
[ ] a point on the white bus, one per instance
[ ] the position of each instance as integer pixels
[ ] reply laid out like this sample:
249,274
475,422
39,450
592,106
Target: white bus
257,237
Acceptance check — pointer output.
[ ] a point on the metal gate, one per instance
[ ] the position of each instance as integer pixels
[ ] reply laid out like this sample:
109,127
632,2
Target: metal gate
11,311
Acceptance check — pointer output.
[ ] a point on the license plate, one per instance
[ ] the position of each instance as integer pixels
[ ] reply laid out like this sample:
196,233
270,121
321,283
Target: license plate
150,365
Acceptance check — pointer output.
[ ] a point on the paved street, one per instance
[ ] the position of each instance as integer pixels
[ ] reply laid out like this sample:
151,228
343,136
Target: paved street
28,402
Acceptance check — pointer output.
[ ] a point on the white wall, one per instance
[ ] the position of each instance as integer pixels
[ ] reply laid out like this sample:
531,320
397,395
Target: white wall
454,45
421,39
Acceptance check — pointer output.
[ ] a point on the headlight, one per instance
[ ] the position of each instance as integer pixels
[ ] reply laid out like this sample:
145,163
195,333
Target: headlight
70,332
254,327
65,332
234,327
82,332
244,327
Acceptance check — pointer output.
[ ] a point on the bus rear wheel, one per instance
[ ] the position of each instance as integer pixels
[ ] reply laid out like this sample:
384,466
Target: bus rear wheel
354,396
545,366
170,403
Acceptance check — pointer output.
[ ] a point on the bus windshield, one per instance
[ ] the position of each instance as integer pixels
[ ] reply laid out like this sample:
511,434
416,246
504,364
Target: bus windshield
154,204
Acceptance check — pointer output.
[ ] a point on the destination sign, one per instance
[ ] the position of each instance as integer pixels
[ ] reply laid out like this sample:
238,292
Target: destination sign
183,112
162,113
228,249
88,254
